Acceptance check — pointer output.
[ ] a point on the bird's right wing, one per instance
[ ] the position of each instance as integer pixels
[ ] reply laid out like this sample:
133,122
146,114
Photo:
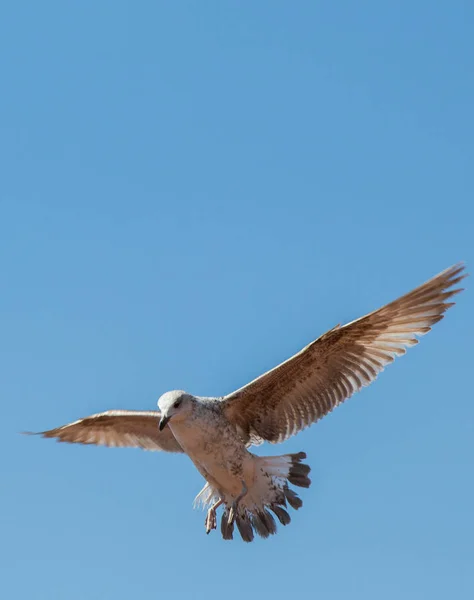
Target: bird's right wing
118,428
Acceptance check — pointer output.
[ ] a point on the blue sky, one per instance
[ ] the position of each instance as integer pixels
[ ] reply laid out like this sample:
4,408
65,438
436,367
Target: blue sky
191,192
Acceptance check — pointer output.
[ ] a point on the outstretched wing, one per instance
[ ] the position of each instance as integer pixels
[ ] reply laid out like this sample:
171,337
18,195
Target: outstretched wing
309,385
118,428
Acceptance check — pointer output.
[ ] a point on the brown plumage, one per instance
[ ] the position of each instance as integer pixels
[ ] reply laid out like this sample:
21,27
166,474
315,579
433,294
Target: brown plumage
118,428
309,385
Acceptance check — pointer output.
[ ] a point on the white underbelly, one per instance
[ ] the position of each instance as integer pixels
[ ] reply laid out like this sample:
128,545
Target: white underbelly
223,461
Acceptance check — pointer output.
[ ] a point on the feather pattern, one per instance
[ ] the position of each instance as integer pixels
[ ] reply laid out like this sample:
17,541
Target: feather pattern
300,391
118,428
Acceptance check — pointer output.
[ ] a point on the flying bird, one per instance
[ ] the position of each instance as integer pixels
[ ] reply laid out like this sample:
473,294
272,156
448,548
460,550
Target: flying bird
216,433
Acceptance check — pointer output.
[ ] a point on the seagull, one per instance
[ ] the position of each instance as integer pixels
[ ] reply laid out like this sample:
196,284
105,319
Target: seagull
216,433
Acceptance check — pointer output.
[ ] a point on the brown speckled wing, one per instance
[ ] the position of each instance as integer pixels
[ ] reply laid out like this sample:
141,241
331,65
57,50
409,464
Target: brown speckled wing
118,428
309,385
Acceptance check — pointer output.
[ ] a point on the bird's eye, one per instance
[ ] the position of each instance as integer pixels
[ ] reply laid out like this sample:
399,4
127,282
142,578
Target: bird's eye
177,403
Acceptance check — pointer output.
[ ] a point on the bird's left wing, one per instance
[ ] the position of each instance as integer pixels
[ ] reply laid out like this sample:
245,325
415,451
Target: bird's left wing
118,428
309,385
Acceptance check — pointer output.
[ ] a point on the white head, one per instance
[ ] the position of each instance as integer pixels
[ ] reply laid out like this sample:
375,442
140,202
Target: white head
176,405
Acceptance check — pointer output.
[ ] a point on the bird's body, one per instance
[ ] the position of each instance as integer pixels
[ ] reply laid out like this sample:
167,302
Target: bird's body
203,431
216,433
231,471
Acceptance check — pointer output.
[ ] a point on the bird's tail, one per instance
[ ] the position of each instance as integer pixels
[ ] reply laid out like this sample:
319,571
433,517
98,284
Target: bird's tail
270,491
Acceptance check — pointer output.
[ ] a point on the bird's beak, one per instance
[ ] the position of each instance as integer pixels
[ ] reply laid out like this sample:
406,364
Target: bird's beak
163,421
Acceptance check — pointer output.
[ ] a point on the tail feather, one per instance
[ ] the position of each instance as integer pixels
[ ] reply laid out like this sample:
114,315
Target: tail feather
245,527
300,480
263,523
227,529
293,499
270,491
268,521
298,473
281,513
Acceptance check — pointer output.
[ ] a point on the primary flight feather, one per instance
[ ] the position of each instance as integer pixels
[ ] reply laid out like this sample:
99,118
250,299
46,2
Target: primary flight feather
217,432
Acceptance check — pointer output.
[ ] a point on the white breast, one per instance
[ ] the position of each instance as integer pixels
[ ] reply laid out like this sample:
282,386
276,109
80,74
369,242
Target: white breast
216,450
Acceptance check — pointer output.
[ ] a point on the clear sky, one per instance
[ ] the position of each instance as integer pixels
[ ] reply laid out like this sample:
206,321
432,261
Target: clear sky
190,192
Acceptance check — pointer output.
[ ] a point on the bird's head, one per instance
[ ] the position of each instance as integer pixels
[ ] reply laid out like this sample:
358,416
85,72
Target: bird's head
176,405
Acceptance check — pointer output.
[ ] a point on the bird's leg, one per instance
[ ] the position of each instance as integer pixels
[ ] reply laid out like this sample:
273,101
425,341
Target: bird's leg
235,503
211,521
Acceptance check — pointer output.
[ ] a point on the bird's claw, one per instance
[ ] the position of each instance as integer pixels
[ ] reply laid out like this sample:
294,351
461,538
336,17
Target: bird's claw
232,513
211,521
